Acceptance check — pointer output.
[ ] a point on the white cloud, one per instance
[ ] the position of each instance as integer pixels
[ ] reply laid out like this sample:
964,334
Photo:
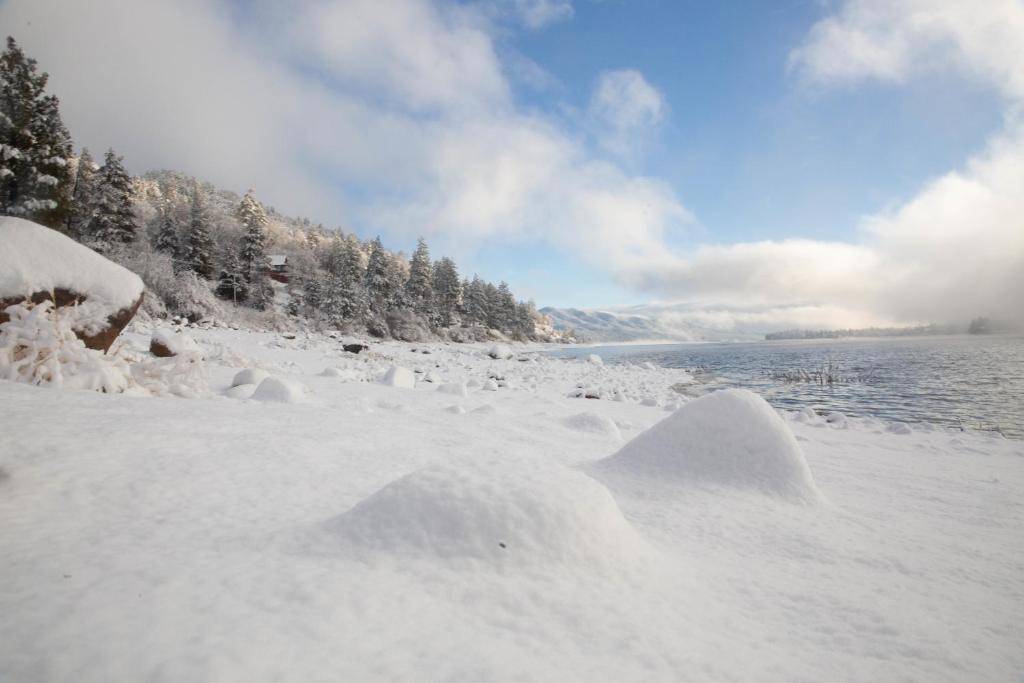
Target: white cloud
894,39
625,108
536,14
953,251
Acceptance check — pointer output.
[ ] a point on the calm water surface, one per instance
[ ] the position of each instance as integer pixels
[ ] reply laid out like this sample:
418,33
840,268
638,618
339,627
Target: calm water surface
971,381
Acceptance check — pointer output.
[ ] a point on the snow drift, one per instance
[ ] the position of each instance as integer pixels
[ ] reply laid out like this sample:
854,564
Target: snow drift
728,438
500,512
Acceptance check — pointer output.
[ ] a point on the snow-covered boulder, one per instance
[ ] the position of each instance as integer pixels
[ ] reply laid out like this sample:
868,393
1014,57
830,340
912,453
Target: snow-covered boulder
595,359
332,372
39,264
249,376
499,352
499,511
490,385
729,438
397,376
277,390
166,343
241,391
594,424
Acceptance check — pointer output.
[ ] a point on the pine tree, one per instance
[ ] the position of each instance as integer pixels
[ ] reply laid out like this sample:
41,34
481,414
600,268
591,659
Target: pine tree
380,290
83,195
199,244
503,308
34,144
166,239
349,295
232,283
113,222
447,292
419,288
475,303
253,219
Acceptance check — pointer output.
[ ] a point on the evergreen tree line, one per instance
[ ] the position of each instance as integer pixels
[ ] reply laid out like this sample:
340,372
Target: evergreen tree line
189,241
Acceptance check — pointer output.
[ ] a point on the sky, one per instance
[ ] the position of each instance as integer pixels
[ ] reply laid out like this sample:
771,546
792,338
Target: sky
860,162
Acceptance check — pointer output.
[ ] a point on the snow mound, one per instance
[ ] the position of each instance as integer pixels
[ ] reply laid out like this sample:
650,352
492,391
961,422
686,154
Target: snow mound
241,391
524,512
249,376
454,389
37,259
592,423
490,385
595,359
400,377
276,390
332,372
727,438
499,352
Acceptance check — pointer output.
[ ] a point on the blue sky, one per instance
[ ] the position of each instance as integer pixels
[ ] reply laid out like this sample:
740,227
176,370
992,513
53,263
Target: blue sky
788,163
755,153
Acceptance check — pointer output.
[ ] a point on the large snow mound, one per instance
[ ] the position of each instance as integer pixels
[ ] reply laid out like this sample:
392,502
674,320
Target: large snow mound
728,438
397,376
523,512
593,424
37,259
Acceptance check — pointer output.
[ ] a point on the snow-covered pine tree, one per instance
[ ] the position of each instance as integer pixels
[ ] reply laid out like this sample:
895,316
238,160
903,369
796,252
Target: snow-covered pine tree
419,288
83,194
475,302
199,244
34,144
504,308
253,256
379,287
447,292
350,296
232,284
113,223
167,239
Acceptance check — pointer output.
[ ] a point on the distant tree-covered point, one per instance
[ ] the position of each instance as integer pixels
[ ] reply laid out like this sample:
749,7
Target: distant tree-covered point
917,331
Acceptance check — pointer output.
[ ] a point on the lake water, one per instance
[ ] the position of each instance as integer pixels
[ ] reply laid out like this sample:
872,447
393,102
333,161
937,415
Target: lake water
972,381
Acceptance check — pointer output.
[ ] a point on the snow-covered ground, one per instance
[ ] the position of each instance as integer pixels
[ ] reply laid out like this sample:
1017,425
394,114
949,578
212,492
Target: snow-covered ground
335,527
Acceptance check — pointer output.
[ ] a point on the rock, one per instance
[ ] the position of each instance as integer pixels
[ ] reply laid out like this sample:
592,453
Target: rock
355,348
499,352
166,343
39,264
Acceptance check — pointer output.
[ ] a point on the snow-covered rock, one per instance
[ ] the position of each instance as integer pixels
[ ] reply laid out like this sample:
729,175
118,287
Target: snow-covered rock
249,376
166,343
277,390
490,385
502,512
499,352
595,359
728,438
39,264
397,376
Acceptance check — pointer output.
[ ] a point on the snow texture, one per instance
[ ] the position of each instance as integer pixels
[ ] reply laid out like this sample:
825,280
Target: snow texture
729,438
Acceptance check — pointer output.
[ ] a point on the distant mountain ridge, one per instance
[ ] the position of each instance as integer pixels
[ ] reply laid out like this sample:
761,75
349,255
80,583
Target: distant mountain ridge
640,323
